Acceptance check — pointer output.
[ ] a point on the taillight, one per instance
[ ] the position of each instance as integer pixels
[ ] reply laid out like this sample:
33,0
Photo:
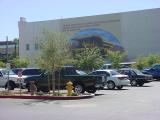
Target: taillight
122,78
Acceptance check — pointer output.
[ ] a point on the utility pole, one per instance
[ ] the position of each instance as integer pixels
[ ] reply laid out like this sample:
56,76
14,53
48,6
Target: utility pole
7,63
6,49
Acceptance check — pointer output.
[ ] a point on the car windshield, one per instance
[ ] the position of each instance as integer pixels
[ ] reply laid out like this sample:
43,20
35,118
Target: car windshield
138,72
5,72
114,73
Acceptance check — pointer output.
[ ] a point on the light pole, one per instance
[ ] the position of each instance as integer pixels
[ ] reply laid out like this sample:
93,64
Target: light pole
7,63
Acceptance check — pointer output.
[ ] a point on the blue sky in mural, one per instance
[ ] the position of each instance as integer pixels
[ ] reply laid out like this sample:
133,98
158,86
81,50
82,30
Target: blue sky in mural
104,35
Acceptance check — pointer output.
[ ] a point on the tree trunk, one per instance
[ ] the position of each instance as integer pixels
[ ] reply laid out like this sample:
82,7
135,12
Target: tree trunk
59,73
53,82
49,84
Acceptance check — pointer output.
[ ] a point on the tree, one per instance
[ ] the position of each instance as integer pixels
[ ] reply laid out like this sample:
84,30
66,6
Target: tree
20,62
2,64
141,63
152,59
88,57
146,61
54,53
116,57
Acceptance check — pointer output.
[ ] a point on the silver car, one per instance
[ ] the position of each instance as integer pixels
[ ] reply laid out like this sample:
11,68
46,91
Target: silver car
113,78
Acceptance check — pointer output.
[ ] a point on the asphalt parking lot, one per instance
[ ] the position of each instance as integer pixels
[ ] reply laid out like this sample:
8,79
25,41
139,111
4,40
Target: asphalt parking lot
131,103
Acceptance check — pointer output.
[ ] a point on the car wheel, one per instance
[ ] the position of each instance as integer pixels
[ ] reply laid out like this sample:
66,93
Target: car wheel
111,85
10,86
119,87
133,83
141,84
79,88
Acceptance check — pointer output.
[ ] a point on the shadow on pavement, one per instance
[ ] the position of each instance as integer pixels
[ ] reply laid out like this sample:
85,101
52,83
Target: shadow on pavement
116,89
99,94
145,86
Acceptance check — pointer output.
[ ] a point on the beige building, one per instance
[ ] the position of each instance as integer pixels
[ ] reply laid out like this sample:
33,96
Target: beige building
136,32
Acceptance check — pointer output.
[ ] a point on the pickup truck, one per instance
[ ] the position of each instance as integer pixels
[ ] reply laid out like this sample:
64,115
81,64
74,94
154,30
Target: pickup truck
10,80
154,71
81,81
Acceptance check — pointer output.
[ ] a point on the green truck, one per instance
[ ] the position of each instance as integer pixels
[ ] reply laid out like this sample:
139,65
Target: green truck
81,82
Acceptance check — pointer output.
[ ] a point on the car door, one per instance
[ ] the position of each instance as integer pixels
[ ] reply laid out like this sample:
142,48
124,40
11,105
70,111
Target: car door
157,71
2,80
127,72
103,73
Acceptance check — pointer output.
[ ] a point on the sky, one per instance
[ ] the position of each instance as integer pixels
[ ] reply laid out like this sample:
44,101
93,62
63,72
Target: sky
41,10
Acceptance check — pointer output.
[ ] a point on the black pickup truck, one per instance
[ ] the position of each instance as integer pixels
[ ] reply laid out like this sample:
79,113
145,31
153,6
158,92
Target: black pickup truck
81,81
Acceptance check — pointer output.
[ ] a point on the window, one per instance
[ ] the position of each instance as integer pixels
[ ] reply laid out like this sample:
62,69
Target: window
103,73
133,73
127,72
93,73
27,46
36,46
32,72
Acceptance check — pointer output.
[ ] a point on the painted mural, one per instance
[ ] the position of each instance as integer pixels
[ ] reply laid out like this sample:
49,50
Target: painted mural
99,37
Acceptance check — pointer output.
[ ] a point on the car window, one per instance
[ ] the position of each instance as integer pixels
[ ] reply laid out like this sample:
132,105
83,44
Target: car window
114,73
32,72
93,73
138,72
16,70
103,73
120,71
156,67
133,73
81,72
5,72
107,66
127,72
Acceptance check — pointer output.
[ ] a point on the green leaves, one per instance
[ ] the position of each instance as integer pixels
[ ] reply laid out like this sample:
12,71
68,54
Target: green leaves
116,57
146,61
20,63
88,58
2,65
54,51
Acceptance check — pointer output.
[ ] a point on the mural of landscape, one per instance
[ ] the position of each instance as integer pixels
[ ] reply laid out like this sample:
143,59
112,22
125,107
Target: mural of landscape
96,36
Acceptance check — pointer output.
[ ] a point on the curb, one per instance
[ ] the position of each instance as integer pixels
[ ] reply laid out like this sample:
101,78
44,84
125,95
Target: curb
50,97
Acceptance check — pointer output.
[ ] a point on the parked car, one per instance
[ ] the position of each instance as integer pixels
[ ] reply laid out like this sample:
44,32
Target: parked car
10,80
123,65
81,81
154,71
113,78
27,71
136,77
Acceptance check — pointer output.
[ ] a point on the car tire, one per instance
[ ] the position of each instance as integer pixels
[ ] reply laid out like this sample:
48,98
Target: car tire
111,85
133,83
11,86
119,87
79,88
140,84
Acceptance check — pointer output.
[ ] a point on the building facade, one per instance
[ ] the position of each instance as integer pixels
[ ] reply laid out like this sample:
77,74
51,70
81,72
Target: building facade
136,32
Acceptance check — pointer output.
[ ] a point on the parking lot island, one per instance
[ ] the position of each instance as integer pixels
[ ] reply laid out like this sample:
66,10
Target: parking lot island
83,96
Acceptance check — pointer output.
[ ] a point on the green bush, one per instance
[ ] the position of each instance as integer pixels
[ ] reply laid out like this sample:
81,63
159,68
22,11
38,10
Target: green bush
75,94
2,65
18,63
147,61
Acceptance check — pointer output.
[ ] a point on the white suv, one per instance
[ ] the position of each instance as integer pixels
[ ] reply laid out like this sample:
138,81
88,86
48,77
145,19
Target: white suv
10,80
113,78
